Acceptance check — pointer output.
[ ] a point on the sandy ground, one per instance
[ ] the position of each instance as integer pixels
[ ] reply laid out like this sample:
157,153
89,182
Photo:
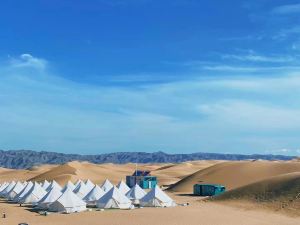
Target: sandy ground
196,213
237,176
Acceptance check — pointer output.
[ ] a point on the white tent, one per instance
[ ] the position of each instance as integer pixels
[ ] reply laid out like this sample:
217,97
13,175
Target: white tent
3,186
95,194
106,185
53,184
157,198
69,185
53,194
23,192
68,202
45,184
34,194
135,194
8,188
77,182
123,187
114,199
89,184
15,191
81,190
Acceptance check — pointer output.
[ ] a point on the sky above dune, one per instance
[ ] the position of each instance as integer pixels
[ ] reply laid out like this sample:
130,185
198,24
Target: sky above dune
178,76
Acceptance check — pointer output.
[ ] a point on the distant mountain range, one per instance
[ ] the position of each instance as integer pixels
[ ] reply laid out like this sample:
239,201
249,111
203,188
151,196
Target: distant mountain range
21,159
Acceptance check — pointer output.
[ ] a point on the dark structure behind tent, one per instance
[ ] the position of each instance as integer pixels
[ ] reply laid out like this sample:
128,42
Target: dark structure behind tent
142,178
208,189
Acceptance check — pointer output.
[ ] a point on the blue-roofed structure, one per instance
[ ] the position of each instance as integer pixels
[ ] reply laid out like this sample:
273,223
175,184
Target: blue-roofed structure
143,178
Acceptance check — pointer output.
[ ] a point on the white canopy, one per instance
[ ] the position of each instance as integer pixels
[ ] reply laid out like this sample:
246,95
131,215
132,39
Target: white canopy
23,192
135,194
69,185
106,185
53,194
45,184
123,187
34,194
3,186
68,202
53,184
95,194
16,190
77,182
114,199
157,198
81,190
7,189
89,184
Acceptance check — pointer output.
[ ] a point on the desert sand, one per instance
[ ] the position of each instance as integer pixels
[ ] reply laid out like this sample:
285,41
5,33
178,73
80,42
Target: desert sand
246,181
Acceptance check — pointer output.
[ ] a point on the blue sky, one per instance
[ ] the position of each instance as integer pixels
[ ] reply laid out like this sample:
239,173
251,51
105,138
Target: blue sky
178,76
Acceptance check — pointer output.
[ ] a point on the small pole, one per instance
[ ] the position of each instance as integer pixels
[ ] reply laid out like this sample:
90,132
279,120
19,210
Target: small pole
3,215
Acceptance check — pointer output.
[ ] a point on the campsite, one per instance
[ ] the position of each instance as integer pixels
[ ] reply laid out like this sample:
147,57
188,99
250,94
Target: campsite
51,193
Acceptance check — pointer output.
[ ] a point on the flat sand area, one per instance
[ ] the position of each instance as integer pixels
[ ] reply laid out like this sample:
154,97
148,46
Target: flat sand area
197,213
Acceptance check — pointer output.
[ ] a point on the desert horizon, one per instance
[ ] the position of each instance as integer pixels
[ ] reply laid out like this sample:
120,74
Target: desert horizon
247,198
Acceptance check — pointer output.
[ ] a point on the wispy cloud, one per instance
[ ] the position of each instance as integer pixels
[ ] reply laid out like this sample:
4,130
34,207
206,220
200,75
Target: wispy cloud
27,60
52,113
254,57
287,9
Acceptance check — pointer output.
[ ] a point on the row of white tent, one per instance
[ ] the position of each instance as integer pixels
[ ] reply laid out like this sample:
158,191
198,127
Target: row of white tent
51,196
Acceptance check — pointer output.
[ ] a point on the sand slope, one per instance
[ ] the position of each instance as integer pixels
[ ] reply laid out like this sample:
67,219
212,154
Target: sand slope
280,192
235,174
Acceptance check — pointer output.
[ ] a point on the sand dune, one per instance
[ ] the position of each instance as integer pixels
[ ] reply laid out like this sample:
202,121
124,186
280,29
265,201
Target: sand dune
280,192
166,173
236,174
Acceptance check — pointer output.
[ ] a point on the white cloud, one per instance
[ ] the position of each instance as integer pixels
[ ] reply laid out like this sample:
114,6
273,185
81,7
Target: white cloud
287,9
253,57
28,61
240,114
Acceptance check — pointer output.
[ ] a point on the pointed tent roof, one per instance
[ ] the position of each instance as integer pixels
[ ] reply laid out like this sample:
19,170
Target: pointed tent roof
70,185
3,186
89,184
8,188
136,193
68,202
77,182
53,184
157,198
23,192
16,190
106,185
81,190
123,187
94,195
114,198
53,194
45,184
34,194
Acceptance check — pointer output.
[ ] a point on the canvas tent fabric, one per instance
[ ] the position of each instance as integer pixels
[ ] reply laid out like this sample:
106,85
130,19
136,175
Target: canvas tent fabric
45,184
23,192
95,194
68,202
81,190
77,183
69,185
54,184
106,185
135,194
53,194
15,191
3,186
89,184
123,187
157,198
34,194
115,199
7,189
